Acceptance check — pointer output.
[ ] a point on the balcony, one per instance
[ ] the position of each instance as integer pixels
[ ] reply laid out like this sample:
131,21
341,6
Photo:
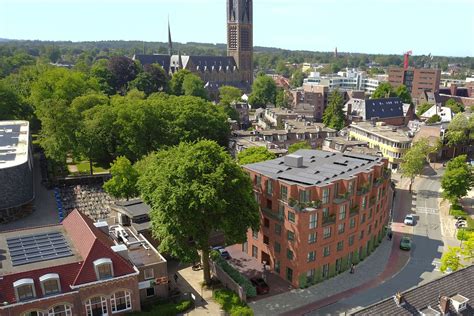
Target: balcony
328,220
354,210
301,206
378,181
274,215
341,198
387,173
363,189
372,201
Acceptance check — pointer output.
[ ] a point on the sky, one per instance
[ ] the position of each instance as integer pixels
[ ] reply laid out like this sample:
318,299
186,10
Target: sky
439,27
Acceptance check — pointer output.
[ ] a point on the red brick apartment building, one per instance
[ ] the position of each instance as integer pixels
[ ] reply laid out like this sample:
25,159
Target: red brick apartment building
320,212
417,80
67,269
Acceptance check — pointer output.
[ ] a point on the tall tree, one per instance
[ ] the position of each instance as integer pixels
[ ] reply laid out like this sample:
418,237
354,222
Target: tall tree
11,105
384,90
123,70
297,78
104,76
458,131
458,179
263,91
194,86
176,82
333,115
282,69
281,99
193,190
254,154
451,259
297,146
123,183
402,92
414,160
456,107
229,95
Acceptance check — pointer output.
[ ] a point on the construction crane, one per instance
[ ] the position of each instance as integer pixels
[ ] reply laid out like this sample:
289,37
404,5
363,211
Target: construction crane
405,60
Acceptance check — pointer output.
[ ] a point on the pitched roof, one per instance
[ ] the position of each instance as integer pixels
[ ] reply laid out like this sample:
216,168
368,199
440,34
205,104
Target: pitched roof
420,297
163,60
383,108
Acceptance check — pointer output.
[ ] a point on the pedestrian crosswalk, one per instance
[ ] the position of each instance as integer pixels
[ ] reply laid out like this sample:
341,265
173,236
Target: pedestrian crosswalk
426,210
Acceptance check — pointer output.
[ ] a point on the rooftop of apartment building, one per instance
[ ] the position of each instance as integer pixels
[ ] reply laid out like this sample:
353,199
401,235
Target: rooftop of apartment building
14,139
376,108
389,132
315,167
344,141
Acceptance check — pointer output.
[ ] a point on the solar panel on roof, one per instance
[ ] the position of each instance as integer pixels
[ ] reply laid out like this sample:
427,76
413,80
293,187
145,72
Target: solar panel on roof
36,248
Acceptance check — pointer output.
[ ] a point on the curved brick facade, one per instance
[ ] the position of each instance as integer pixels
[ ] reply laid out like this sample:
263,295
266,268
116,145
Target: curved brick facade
16,186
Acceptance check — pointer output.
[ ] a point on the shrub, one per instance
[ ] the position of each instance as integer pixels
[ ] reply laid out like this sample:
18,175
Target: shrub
464,234
249,289
457,210
434,119
165,309
231,303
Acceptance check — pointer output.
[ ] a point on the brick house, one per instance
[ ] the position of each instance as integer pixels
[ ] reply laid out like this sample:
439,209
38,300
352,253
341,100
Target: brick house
320,212
72,268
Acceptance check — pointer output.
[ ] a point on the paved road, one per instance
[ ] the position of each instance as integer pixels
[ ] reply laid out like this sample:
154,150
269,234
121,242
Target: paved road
427,249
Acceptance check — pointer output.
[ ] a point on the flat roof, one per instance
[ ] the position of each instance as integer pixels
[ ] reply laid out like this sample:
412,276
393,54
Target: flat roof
393,133
132,208
14,138
7,259
319,167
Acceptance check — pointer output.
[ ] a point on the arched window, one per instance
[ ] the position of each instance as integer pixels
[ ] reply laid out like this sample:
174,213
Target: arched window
121,301
96,306
24,289
104,268
60,310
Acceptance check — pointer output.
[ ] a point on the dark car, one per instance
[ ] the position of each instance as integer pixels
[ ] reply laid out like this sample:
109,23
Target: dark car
224,253
260,284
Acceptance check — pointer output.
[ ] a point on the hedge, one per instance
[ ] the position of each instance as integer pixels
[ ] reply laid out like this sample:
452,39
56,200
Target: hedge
235,275
464,234
165,309
231,303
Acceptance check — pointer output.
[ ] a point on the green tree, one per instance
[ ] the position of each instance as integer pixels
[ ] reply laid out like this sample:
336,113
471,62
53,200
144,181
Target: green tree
434,119
153,79
451,259
176,82
264,92
281,99
297,78
282,69
414,160
456,107
458,131
402,92
468,248
384,90
333,116
123,70
229,95
297,146
254,154
423,108
104,76
457,180
193,86
123,183
11,105
189,184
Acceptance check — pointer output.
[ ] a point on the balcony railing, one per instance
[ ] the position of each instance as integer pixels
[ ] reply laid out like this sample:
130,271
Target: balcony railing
363,189
301,206
268,212
341,198
354,210
330,219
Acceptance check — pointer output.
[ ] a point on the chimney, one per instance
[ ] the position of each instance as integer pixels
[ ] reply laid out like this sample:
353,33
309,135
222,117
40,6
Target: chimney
294,161
121,250
444,305
102,226
399,299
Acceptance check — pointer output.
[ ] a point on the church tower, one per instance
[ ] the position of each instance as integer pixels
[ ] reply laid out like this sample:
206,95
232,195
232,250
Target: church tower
240,36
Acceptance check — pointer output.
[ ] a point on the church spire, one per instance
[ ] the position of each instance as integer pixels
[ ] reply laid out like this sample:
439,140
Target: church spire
170,42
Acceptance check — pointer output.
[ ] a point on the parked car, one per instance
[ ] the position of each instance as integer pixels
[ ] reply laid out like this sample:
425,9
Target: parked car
260,284
405,243
224,253
461,223
409,220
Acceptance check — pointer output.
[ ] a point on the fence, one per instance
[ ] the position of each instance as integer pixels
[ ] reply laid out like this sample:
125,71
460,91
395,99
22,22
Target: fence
227,281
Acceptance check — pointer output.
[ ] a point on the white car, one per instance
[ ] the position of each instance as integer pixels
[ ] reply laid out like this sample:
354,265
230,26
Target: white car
409,220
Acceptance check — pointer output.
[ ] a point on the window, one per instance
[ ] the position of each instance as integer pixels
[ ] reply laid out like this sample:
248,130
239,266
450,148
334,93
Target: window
60,310
266,240
291,235
277,247
254,252
255,234
325,212
370,229
149,274
336,189
311,238
50,283
96,306
269,187
361,236
342,212
281,211
24,289
364,202
362,218
313,220
311,256
340,245
289,274
150,292
370,213
351,240
341,228
326,251
121,301
325,270
277,266
258,180
289,254
350,188
352,222
310,276
325,199
327,232
291,217
103,268
283,192
278,229
304,196
34,313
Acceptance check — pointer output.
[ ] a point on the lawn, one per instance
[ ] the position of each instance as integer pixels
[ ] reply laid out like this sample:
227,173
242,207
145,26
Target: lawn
84,168
164,309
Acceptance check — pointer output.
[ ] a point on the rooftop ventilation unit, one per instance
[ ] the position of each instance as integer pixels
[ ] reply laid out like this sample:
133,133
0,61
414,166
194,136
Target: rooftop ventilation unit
295,161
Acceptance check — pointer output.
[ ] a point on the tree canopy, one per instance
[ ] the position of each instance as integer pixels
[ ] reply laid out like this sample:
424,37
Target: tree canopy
385,90
297,146
297,78
193,190
458,131
421,109
229,95
456,107
176,82
458,179
263,92
333,116
414,160
194,86
434,119
123,184
281,99
254,154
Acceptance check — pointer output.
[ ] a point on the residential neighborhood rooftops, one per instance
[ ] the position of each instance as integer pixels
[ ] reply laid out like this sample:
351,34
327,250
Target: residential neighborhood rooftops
394,133
315,167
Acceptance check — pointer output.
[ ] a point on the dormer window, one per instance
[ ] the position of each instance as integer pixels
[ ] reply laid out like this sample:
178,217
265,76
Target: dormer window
50,284
24,289
104,268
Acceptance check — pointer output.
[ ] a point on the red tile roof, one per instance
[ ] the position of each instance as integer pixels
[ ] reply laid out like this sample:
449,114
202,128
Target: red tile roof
90,243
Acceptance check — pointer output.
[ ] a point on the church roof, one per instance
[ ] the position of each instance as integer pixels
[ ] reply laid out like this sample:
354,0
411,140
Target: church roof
161,59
